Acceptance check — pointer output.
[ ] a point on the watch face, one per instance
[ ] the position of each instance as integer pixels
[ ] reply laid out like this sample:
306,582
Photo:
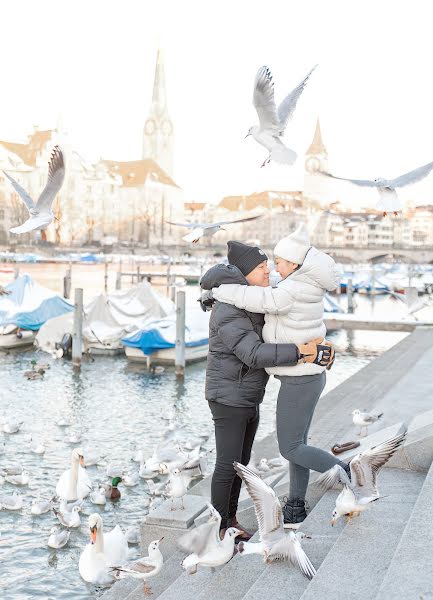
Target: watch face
167,127
150,126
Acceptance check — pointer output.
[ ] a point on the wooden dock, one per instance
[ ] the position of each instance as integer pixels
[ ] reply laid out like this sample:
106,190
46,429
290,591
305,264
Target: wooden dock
352,321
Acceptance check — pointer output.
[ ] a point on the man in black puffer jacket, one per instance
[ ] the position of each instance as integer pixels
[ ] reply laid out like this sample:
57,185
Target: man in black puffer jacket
235,376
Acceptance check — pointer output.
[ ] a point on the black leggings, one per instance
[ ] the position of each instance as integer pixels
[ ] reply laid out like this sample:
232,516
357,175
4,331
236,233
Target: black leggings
235,429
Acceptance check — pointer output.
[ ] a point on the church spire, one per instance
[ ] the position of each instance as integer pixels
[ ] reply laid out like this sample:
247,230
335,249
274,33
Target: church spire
159,98
317,146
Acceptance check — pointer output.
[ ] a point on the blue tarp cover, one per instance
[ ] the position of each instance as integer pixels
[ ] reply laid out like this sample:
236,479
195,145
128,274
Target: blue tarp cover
29,305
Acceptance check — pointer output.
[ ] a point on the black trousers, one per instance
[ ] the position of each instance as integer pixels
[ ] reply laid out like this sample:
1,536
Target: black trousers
235,429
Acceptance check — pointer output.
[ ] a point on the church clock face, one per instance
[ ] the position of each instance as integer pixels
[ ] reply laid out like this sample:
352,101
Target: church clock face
167,127
313,164
150,127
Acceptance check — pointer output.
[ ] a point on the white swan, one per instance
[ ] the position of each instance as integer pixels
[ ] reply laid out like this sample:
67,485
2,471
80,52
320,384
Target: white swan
104,550
74,483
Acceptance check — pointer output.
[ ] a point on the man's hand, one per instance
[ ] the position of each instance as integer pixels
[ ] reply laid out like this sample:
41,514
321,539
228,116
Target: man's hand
319,352
206,301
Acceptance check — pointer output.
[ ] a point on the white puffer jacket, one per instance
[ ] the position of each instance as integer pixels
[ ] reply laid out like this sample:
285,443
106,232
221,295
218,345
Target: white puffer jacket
293,309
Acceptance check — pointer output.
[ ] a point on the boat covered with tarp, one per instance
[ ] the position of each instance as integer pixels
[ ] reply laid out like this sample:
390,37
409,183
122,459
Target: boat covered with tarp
156,343
26,308
107,319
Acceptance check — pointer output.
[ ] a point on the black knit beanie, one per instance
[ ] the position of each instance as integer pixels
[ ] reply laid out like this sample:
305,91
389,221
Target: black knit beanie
245,258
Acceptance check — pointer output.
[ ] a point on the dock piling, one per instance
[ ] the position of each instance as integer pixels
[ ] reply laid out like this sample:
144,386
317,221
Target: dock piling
349,295
77,335
180,334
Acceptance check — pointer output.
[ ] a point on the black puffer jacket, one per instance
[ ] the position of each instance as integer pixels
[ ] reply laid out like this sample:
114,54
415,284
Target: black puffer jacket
237,356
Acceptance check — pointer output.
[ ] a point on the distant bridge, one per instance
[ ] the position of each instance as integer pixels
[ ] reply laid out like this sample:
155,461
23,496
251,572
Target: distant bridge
400,253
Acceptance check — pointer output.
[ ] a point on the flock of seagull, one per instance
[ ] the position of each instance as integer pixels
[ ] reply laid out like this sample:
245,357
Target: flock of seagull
268,133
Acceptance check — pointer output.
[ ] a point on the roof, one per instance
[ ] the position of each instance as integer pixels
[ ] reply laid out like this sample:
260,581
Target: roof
317,146
135,173
194,205
265,199
30,151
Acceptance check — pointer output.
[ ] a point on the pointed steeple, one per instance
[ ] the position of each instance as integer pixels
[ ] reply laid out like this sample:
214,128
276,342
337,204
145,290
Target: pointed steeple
317,146
159,98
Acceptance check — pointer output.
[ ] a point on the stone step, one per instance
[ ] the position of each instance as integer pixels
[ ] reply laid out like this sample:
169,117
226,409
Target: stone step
283,580
357,563
169,573
243,573
410,573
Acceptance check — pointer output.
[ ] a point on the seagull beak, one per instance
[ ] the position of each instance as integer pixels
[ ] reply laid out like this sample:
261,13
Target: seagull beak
160,540
223,229
247,136
332,522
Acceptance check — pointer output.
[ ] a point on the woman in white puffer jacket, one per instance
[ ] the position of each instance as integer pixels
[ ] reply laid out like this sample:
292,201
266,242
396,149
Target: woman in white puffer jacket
294,313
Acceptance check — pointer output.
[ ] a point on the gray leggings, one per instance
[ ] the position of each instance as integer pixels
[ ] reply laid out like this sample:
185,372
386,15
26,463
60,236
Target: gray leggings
297,401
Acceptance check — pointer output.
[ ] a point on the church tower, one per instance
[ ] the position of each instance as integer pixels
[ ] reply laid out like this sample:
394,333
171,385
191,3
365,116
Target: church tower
158,128
316,157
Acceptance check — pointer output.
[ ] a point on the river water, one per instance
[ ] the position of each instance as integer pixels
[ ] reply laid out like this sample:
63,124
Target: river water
114,404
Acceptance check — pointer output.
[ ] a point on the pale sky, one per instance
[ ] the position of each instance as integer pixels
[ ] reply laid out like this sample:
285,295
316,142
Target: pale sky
92,61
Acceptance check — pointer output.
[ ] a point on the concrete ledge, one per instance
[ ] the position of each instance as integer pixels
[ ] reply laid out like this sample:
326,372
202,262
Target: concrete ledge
178,519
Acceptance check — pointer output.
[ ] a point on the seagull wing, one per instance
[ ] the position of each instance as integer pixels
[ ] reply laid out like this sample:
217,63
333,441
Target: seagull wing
29,225
331,478
21,192
266,504
188,225
264,103
195,235
289,548
365,466
287,107
412,176
361,182
239,220
56,176
202,539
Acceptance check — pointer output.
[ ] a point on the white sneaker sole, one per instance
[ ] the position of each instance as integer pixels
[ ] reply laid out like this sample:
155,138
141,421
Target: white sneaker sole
291,525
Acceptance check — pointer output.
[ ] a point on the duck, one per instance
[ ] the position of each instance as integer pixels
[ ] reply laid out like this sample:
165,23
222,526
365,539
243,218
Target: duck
103,551
111,491
74,483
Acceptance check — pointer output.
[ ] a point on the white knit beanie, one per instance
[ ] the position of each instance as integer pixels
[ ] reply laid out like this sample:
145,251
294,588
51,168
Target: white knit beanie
295,246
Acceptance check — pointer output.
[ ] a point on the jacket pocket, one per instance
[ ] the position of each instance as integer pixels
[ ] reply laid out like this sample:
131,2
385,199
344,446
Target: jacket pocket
243,371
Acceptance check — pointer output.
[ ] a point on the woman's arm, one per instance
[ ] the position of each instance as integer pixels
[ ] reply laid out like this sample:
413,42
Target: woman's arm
274,301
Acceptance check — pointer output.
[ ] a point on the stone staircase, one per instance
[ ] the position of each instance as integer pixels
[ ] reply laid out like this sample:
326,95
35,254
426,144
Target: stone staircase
384,554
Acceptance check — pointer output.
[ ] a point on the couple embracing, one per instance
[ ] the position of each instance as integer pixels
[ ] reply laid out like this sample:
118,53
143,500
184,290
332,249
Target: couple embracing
256,330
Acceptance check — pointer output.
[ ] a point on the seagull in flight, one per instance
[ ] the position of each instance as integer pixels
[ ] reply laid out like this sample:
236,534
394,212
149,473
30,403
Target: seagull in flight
274,543
360,489
389,201
207,229
413,301
273,120
41,214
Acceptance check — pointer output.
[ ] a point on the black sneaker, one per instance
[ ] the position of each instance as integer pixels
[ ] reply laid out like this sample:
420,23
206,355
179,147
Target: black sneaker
294,512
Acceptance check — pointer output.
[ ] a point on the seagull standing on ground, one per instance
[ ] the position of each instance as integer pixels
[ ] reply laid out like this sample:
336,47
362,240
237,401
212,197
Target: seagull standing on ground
143,568
389,201
273,121
274,543
41,214
360,490
364,419
200,230
205,547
